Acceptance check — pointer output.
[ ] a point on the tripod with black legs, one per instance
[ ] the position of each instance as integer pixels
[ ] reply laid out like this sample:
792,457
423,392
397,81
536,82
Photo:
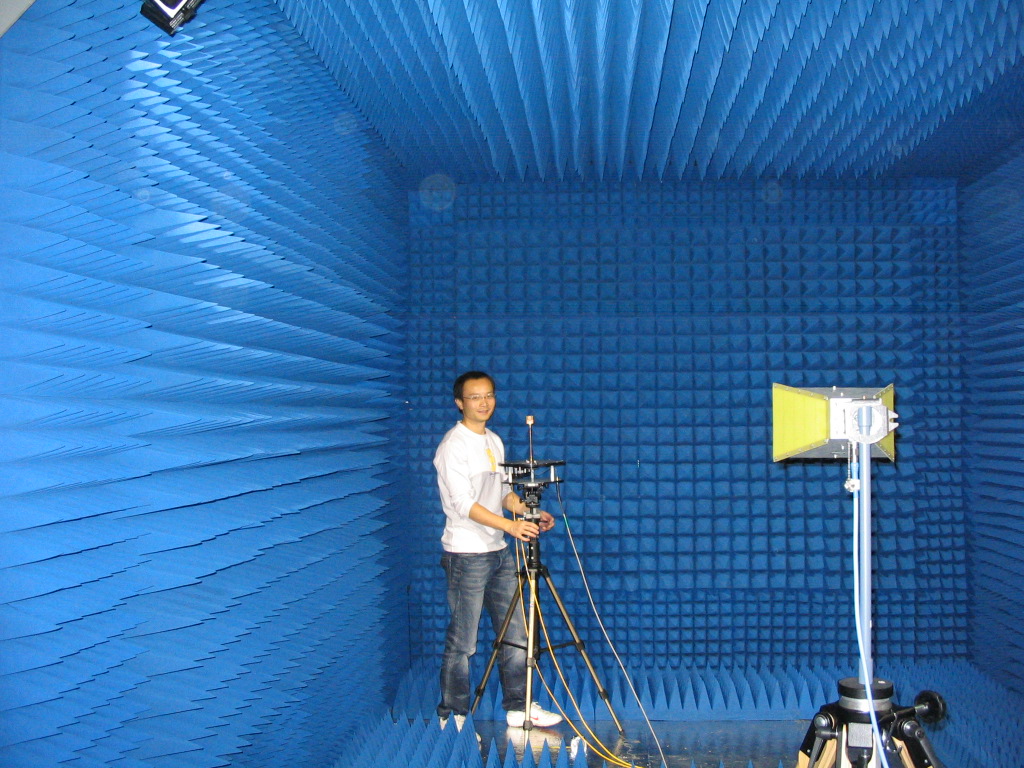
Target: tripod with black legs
842,734
865,728
523,476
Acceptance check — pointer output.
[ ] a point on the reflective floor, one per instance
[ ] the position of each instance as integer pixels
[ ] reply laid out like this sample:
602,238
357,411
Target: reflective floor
761,744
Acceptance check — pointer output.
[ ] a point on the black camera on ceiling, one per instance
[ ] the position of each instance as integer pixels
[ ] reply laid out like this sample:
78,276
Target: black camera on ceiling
170,14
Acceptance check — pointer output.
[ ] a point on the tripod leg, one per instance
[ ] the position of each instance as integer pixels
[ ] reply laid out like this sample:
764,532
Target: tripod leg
499,640
531,648
823,755
821,752
918,747
578,642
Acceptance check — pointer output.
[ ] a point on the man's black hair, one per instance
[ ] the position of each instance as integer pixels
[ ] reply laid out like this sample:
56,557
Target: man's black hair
469,376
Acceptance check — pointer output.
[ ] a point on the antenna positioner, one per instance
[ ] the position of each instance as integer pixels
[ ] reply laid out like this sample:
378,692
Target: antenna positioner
531,478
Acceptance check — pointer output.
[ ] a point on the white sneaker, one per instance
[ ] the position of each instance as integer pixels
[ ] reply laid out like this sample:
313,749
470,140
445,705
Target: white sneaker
460,720
538,716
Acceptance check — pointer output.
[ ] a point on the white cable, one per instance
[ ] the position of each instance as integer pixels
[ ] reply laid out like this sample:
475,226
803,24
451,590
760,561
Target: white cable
857,512
608,640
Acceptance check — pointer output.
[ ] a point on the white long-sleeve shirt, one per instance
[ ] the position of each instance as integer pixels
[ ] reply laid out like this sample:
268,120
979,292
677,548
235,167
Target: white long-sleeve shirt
469,471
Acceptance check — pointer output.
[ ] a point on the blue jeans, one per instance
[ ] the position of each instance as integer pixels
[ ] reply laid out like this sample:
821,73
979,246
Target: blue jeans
476,581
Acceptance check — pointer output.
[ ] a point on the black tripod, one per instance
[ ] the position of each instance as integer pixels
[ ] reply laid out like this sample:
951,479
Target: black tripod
842,734
523,476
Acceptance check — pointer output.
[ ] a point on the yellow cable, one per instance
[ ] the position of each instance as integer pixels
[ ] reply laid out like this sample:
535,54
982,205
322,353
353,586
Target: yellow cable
599,747
607,754
608,640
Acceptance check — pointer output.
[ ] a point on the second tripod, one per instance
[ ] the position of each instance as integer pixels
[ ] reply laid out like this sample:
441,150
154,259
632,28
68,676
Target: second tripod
525,478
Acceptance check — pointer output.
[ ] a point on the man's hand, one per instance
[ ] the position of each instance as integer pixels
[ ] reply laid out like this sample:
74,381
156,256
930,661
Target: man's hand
547,522
524,530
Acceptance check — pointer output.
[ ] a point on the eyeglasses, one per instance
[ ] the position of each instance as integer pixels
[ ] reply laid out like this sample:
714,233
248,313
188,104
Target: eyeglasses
478,398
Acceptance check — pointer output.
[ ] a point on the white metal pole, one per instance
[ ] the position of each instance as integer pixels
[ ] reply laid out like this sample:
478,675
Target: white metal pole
864,421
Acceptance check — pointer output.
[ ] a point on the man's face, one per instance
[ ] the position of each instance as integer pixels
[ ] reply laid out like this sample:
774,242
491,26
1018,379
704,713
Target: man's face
477,403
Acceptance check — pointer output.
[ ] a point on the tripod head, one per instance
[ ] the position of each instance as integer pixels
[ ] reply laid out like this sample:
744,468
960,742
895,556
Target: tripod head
527,477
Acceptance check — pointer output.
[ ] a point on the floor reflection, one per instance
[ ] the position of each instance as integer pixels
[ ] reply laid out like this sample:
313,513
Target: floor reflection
732,744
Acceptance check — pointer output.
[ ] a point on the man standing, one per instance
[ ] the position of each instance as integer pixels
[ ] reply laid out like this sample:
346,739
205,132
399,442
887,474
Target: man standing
479,565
